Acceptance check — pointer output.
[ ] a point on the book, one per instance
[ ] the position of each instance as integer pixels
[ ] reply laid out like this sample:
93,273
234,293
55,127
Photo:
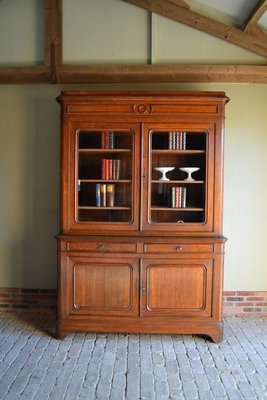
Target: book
110,169
103,195
178,197
107,140
111,140
184,141
110,195
117,169
183,205
173,197
98,199
170,141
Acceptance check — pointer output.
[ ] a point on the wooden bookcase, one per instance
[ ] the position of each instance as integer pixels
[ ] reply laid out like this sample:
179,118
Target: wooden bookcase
141,250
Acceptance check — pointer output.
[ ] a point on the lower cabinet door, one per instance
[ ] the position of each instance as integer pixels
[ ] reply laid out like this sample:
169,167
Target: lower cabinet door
99,286
177,288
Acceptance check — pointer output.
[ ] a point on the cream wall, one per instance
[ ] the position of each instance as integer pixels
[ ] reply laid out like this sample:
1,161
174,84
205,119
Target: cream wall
29,148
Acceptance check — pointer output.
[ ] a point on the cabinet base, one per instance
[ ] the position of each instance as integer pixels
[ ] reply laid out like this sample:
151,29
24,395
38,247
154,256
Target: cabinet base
212,329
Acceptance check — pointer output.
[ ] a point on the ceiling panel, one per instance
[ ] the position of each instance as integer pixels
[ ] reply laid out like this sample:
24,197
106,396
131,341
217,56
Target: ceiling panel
238,10
263,21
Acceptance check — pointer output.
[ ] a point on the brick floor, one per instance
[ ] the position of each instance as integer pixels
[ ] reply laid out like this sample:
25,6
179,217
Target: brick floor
34,365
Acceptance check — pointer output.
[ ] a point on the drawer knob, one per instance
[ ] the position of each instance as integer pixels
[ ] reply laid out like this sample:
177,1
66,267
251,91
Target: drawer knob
101,247
178,248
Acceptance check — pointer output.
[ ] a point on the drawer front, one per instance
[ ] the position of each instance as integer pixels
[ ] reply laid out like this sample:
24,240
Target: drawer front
102,247
178,248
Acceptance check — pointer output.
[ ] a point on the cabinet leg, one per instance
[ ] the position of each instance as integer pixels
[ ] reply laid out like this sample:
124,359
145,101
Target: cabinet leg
60,332
217,336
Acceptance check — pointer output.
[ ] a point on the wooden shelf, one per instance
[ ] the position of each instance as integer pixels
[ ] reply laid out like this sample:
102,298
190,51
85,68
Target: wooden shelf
105,180
181,181
185,152
103,208
176,209
85,151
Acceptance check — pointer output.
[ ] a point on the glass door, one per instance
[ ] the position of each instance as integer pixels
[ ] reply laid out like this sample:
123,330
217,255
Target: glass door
178,171
105,175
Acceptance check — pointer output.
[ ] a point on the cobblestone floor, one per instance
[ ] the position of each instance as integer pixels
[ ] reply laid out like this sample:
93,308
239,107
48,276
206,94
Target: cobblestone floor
34,365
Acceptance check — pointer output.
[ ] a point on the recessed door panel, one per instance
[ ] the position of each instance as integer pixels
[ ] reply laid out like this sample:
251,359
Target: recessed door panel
103,287
177,287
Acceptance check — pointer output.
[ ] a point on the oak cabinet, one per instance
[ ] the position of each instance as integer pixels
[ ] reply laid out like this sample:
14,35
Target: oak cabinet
141,245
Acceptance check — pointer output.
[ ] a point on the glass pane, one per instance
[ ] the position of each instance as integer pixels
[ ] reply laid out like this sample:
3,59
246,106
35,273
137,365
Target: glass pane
104,176
178,177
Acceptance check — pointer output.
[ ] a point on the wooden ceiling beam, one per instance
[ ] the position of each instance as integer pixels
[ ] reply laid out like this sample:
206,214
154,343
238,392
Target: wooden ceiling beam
55,72
136,74
162,74
180,3
53,32
22,75
198,21
256,14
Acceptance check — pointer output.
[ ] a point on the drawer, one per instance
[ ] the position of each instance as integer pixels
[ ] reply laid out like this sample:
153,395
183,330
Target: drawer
102,247
178,247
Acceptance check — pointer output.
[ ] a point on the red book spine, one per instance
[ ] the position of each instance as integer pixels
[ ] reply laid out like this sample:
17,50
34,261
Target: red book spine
110,162
176,197
106,168
103,171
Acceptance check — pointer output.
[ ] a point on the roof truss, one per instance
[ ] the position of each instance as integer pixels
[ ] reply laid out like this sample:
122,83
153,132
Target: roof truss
173,10
256,14
54,71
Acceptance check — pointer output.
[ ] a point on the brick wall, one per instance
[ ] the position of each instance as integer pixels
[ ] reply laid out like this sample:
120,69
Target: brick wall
27,300
246,304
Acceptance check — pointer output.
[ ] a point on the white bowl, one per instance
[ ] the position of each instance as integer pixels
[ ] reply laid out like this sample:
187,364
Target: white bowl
164,171
189,171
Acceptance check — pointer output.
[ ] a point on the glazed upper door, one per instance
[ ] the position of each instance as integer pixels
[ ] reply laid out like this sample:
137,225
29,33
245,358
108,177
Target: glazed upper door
179,179
101,184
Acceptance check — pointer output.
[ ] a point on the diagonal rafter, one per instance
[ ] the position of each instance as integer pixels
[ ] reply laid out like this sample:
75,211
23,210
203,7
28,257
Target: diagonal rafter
170,9
256,14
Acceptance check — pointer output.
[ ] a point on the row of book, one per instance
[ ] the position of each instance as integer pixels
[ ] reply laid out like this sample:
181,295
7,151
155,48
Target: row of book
107,140
110,168
105,194
178,196
177,140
